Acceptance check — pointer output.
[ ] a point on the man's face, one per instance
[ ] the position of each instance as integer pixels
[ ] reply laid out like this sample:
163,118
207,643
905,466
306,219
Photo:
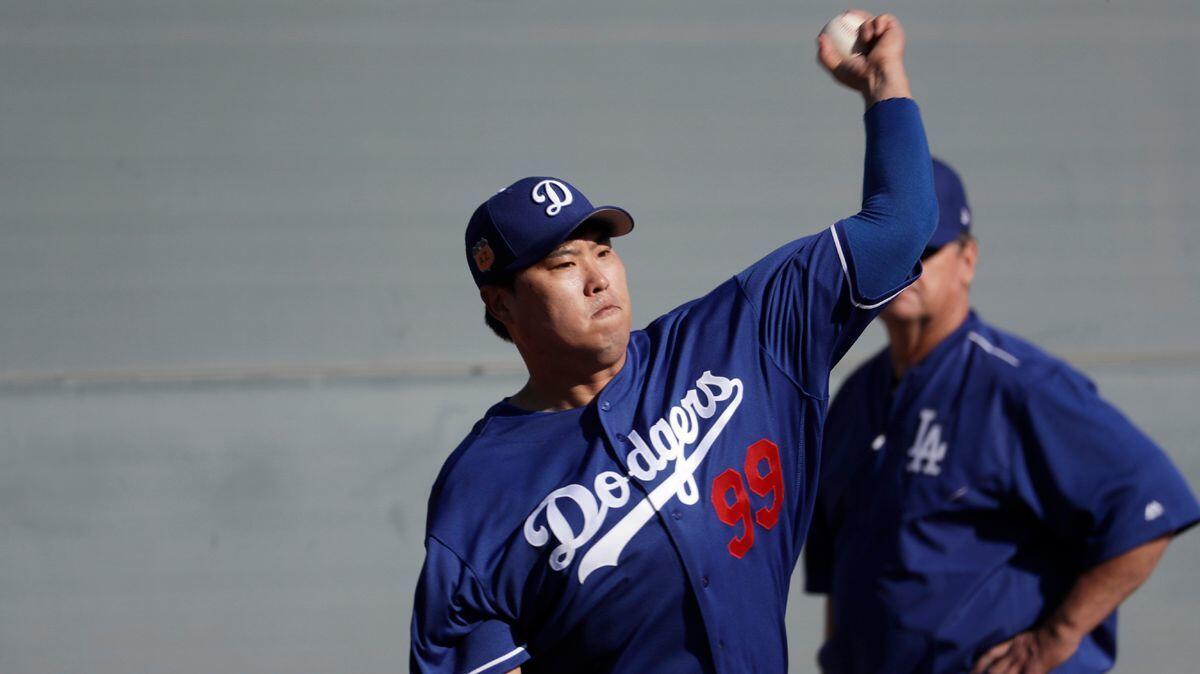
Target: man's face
943,286
573,300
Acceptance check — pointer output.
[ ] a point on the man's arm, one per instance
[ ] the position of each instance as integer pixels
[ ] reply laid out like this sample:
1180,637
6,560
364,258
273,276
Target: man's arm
1091,477
1095,595
881,244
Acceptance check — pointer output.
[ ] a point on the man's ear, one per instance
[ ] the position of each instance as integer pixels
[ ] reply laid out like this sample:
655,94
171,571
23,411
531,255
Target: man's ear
498,301
970,256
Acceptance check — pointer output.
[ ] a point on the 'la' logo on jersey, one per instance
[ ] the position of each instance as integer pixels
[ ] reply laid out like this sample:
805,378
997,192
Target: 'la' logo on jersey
555,192
928,450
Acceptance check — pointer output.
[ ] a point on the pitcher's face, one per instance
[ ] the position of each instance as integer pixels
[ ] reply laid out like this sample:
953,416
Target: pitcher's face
575,299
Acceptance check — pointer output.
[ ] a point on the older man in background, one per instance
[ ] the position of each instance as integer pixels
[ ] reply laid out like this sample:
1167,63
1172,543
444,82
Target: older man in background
981,507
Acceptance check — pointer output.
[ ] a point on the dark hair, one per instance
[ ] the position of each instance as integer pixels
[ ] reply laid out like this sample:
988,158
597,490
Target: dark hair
493,322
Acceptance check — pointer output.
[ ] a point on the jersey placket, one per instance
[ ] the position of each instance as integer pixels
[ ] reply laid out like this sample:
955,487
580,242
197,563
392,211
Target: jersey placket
889,448
671,518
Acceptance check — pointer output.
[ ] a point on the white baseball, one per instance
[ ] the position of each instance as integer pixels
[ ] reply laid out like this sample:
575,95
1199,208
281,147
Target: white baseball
843,33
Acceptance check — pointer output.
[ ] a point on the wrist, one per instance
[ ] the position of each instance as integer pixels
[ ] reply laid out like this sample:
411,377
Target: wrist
887,80
1060,630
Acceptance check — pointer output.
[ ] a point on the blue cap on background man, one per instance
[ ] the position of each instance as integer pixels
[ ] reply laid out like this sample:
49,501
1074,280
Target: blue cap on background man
525,221
954,214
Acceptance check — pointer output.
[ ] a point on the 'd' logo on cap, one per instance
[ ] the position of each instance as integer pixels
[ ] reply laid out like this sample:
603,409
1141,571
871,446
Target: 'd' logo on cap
482,252
555,192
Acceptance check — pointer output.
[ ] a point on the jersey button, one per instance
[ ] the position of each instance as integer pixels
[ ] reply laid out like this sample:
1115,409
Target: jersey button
675,514
721,644
704,581
621,438
606,406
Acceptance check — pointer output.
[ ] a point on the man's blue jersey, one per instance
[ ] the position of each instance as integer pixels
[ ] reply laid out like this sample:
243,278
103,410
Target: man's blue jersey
959,505
656,528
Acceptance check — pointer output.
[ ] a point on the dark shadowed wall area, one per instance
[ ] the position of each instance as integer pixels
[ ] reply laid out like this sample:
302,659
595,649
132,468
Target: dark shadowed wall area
238,337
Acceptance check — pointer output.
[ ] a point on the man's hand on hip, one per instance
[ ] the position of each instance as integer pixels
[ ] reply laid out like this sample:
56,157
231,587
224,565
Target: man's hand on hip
1033,652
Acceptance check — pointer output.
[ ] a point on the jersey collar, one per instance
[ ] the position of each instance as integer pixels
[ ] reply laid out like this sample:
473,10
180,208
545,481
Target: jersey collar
612,405
616,402
924,369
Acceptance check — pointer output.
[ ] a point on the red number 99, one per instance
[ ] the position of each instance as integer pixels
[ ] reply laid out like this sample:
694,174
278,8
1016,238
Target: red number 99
731,513
765,483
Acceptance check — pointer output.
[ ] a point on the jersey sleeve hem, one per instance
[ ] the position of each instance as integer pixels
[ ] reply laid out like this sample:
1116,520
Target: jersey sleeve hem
504,663
846,257
1117,545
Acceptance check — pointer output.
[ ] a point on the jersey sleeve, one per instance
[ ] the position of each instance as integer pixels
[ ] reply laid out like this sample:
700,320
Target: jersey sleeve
815,295
454,630
1092,476
808,313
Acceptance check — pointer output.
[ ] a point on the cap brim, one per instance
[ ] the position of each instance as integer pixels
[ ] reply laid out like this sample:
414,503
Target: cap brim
618,220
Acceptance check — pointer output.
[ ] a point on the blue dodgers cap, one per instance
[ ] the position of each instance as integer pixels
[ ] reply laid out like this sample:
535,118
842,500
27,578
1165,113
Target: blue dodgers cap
954,215
523,222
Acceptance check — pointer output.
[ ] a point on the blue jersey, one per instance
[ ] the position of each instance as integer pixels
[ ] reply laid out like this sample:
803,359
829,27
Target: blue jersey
656,528
959,505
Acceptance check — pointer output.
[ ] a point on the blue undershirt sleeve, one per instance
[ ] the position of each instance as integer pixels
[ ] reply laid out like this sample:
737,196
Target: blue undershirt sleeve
814,296
885,239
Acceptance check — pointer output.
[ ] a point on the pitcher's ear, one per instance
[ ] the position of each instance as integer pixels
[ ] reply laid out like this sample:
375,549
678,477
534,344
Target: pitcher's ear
498,301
